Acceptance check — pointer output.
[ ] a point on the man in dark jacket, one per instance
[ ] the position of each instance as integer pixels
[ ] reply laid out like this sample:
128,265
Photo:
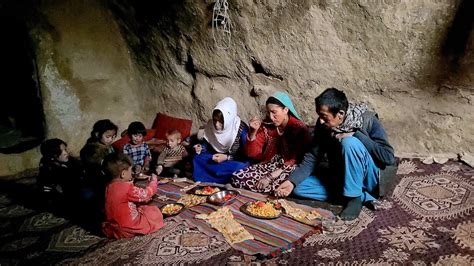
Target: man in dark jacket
354,144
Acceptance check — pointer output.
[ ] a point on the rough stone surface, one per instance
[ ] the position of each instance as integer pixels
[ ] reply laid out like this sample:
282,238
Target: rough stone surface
126,60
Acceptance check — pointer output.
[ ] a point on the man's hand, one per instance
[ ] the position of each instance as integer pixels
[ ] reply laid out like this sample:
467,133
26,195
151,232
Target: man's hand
284,189
263,182
340,136
219,157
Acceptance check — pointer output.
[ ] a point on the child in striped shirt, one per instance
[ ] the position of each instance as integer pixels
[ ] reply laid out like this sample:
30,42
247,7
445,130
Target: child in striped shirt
170,161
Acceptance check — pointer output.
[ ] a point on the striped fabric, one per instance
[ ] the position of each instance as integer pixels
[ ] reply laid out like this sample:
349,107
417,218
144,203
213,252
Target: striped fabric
171,156
271,236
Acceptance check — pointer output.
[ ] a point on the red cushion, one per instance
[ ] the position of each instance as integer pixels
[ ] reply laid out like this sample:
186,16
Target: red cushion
118,144
164,122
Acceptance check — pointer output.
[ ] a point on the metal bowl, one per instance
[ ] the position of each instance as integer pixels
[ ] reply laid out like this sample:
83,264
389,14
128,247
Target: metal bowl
223,197
174,213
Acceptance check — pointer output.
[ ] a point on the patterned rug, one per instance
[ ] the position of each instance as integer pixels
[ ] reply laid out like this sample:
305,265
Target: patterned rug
426,220
269,239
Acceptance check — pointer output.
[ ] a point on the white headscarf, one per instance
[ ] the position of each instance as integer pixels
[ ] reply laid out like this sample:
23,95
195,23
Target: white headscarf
222,140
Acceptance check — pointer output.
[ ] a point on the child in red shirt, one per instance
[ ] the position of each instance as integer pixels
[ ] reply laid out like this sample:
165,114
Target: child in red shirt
123,217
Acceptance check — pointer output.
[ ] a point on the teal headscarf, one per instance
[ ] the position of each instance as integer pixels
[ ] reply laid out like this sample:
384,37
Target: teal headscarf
286,101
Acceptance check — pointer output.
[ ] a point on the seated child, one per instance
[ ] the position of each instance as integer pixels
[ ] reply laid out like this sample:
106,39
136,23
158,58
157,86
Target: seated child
60,175
93,153
137,149
170,161
123,217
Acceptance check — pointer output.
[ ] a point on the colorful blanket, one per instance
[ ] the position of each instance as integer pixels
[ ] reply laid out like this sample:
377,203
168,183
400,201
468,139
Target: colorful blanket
271,236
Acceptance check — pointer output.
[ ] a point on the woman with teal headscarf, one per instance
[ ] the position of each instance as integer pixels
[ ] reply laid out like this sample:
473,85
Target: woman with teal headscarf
276,145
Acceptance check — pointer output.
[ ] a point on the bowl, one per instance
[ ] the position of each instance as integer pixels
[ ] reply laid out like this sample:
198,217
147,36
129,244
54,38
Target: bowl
176,205
223,197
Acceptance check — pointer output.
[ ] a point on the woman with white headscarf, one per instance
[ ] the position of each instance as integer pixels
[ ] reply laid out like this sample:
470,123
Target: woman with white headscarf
221,152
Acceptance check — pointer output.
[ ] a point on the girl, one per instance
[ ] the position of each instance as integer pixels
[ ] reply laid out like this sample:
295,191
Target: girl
123,217
93,153
279,145
221,152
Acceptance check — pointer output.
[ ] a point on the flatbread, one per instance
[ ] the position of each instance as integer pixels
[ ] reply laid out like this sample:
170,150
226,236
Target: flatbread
223,221
298,214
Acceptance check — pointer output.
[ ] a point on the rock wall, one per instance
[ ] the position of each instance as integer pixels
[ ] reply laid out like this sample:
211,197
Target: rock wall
126,60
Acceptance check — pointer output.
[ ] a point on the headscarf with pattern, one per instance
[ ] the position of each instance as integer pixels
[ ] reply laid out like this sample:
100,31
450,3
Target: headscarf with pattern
353,118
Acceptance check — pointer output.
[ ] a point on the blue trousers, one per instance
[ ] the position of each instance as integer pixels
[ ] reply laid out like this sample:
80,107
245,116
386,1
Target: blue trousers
359,178
206,170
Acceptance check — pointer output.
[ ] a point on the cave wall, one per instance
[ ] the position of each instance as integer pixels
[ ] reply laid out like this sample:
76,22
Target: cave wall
126,60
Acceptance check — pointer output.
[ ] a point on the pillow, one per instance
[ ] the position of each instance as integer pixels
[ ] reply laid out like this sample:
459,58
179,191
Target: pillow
164,122
118,144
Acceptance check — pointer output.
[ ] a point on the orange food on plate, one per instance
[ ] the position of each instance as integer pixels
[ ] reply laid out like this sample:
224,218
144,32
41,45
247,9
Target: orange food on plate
207,190
263,209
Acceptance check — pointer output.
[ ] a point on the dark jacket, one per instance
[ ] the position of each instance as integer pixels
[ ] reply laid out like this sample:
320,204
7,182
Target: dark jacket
372,135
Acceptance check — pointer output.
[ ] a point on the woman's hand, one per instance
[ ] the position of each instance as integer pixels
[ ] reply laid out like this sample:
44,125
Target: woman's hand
275,174
198,148
263,182
254,124
219,157
284,189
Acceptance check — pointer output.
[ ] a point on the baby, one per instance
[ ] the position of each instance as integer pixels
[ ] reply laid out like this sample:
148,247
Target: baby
137,149
170,161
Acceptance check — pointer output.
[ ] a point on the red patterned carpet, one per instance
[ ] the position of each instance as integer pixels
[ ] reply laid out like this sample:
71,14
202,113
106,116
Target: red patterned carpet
426,220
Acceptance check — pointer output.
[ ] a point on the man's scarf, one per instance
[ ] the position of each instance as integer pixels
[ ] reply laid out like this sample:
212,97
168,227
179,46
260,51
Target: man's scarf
352,119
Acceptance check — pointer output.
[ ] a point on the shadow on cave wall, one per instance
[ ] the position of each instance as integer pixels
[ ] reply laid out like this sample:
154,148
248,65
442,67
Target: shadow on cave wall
141,21
456,42
21,115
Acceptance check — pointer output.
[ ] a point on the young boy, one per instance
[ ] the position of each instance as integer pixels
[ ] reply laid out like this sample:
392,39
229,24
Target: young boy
137,149
170,161
123,217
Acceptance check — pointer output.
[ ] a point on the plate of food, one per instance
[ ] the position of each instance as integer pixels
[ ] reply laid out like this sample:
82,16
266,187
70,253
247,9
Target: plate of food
190,200
205,190
171,209
223,197
262,209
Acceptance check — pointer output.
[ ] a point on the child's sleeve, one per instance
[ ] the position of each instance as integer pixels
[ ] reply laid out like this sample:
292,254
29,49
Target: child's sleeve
162,157
138,194
148,153
126,149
